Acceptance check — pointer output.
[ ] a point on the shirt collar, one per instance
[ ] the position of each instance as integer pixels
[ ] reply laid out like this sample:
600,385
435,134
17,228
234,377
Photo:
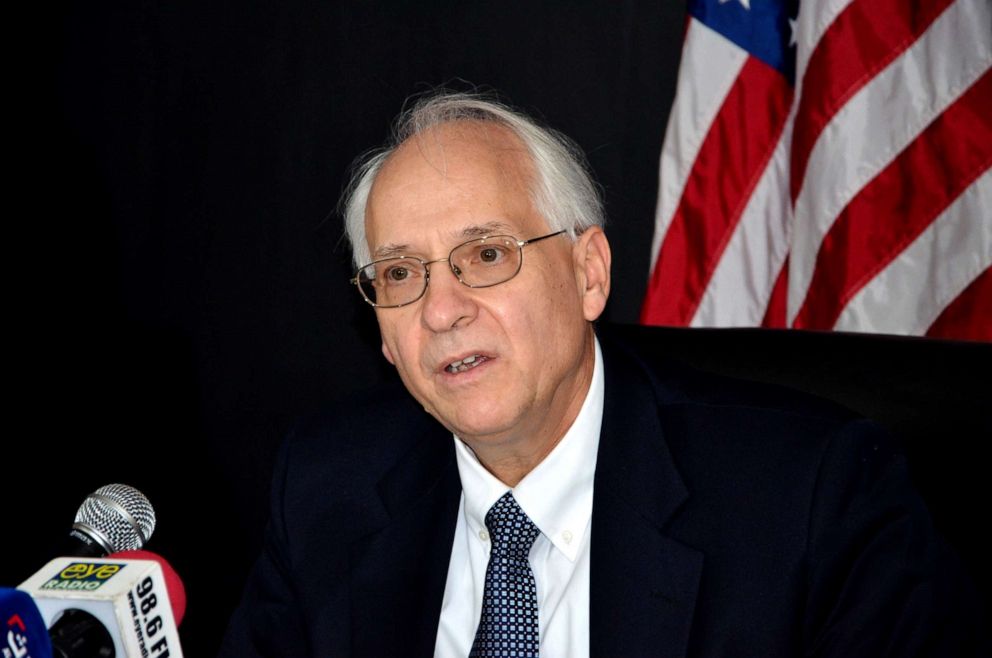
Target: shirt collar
557,494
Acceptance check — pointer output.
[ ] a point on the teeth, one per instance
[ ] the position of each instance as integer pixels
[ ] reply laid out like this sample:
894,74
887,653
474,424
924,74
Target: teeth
465,364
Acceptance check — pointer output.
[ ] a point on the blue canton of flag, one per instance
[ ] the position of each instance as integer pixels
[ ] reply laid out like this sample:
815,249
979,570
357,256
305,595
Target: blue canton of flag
764,28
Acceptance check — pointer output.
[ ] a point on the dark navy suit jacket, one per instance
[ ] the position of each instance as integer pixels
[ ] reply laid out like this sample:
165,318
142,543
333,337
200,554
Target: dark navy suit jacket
729,519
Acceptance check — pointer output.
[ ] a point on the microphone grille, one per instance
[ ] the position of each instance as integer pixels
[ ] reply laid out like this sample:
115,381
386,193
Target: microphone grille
121,514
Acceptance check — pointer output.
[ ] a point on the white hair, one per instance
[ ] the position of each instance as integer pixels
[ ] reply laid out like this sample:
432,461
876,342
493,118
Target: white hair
563,191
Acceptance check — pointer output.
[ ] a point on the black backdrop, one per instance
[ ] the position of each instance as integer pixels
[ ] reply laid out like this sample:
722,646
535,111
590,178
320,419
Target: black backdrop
177,283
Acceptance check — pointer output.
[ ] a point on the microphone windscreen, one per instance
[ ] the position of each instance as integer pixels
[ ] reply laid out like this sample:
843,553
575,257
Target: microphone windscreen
23,632
173,583
116,516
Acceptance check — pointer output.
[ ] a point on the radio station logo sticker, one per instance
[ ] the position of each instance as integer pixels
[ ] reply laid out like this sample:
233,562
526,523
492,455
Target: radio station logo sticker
83,576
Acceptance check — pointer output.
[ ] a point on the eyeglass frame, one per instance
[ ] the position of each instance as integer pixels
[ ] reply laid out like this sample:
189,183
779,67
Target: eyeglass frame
427,270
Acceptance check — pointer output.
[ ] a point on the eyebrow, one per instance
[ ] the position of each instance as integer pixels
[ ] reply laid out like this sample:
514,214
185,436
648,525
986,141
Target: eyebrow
389,250
392,249
489,228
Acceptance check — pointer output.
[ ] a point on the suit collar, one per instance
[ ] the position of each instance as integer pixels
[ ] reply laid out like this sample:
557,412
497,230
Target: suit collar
417,473
643,583
632,448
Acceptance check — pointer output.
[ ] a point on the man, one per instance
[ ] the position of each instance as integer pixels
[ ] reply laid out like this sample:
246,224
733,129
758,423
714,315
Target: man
548,493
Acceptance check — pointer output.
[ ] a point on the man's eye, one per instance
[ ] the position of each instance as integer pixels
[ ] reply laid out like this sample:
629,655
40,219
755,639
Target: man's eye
397,274
491,255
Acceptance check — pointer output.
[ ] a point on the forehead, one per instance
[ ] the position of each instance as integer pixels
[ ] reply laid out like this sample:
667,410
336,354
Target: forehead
446,183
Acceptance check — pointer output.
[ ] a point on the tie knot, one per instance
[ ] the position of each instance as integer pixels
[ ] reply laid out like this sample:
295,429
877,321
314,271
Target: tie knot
510,530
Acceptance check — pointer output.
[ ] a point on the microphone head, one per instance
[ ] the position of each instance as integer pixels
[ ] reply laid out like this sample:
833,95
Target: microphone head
116,516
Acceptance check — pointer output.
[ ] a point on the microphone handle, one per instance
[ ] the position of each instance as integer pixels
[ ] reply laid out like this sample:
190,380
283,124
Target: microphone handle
80,544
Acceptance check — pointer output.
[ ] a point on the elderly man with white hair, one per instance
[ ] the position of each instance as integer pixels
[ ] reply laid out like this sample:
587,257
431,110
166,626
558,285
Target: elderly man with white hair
535,490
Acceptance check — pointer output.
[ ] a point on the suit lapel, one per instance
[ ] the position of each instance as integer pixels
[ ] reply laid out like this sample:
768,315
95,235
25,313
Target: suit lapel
399,571
643,584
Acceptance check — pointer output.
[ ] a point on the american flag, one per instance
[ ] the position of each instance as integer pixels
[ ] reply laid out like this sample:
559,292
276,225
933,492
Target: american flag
828,165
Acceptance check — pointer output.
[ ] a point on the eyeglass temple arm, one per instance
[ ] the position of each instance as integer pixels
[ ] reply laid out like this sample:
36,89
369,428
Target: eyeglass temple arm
539,238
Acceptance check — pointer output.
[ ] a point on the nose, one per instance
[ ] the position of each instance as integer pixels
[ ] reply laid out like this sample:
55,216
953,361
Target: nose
447,303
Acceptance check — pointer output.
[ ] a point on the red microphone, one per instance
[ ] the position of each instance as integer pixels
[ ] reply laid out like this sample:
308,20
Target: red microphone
173,583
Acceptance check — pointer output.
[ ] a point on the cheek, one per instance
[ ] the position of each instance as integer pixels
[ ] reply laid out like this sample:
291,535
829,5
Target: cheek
562,306
539,321
405,357
395,342
388,353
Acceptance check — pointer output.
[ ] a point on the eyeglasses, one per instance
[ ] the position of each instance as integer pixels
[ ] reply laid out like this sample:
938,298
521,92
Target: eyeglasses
479,263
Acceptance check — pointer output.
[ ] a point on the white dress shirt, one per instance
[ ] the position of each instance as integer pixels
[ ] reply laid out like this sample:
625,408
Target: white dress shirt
557,496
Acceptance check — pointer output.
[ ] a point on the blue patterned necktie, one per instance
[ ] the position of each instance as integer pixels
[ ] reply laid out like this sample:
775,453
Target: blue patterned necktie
508,627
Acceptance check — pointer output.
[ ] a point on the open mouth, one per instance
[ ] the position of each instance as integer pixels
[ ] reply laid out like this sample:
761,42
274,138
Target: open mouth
467,363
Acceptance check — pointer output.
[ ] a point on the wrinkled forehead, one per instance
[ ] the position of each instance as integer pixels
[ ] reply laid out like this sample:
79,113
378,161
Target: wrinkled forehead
460,173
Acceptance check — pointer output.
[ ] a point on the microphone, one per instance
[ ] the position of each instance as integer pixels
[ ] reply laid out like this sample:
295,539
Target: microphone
113,518
112,607
173,583
24,633
128,603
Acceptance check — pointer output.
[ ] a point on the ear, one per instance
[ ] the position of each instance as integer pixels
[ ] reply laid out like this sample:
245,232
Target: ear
591,258
386,353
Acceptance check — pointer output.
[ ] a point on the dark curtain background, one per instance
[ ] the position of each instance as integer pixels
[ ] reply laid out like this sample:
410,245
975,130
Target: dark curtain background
178,278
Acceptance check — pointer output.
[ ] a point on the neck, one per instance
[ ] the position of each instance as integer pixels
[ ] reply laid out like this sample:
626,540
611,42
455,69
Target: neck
511,469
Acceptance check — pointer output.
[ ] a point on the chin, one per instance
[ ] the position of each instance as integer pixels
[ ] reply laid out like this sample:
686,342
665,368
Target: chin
480,423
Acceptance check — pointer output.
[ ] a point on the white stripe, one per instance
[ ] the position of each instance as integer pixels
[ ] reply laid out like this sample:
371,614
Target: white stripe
880,121
738,292
710,65
909,294
812,22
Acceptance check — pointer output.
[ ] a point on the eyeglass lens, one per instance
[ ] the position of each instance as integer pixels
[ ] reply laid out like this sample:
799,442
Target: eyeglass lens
478,264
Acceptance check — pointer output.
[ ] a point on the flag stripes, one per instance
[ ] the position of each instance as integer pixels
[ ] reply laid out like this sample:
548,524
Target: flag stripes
891,300
811,208
878,31
739,289
701,91
876,124
975,302
857,246
724,174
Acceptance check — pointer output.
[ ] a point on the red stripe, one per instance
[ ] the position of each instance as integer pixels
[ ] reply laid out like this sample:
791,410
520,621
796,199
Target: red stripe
900,203
862,41
731,160
775,311
969,316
